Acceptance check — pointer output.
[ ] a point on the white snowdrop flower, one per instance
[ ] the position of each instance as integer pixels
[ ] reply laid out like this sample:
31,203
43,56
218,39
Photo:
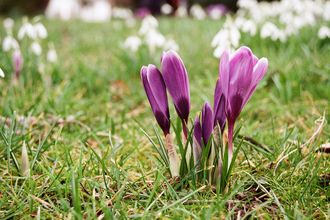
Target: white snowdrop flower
153,40
8,23
133,43
52,56
234,36
197,12
41,30
324,32
2,74
171,45
166,9
250,26
326,14
181,12
239,21
99,11
148,23
36,48
27,29
268,29
9,43
122,13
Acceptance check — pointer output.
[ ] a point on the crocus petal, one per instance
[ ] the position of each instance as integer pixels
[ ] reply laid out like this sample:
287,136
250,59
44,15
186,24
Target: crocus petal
198,131
176,81
219,107
224,71
152,79
207,122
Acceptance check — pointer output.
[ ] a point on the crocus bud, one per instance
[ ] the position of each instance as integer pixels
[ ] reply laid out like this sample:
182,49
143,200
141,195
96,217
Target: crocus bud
176,81
207,122
25,165
155,89
17,62
219,107
239,74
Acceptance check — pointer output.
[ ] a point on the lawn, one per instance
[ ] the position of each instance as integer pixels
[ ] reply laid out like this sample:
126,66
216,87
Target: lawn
65,113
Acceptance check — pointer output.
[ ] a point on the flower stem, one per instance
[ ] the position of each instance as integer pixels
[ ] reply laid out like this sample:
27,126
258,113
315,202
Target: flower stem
173,157
184,128
230,139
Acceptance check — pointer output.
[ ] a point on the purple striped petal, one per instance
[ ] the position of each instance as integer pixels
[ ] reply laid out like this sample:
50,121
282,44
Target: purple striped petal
219,107
207,122
155,89
176,81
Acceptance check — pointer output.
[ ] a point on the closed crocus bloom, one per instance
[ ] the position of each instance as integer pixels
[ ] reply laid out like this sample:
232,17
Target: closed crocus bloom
207,122
17,62
176,81
219,107
240,74
155,89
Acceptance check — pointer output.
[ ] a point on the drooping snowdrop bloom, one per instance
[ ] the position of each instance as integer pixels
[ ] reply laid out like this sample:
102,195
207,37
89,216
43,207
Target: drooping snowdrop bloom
133,43
155,89
250,26
154,39
36,48
8,24
9,43
324,32
122,13
41,30
1,73
52,55
148,23
176,81
181,12
27,29
197,12
63,9
97,11
239,74
271,30
17,62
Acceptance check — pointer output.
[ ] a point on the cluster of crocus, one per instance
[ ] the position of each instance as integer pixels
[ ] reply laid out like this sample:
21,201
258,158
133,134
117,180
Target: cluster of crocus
239,74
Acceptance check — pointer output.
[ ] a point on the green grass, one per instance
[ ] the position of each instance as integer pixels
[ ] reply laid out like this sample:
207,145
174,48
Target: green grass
76,171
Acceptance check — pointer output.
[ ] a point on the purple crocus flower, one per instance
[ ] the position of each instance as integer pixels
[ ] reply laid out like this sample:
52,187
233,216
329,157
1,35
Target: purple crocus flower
155,89
176,81
219,107
17,62
203,130
240,74
142,12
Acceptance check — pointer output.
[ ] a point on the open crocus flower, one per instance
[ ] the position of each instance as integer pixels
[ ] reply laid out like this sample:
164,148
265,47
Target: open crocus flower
240,74
176,81
155,89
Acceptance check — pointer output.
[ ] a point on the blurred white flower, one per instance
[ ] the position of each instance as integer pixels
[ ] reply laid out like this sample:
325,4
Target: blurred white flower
166,9
98,11
36,48
154,39
324,32
8,23
181,12
148,23
130,22
9,43
1,73
228,36
133,43
197,12
171,45
52,56
250,26
27,29
123,13
239,21
41,30
63,9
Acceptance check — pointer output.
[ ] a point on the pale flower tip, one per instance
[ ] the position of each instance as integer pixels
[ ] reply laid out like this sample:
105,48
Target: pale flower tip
25,165
2,74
